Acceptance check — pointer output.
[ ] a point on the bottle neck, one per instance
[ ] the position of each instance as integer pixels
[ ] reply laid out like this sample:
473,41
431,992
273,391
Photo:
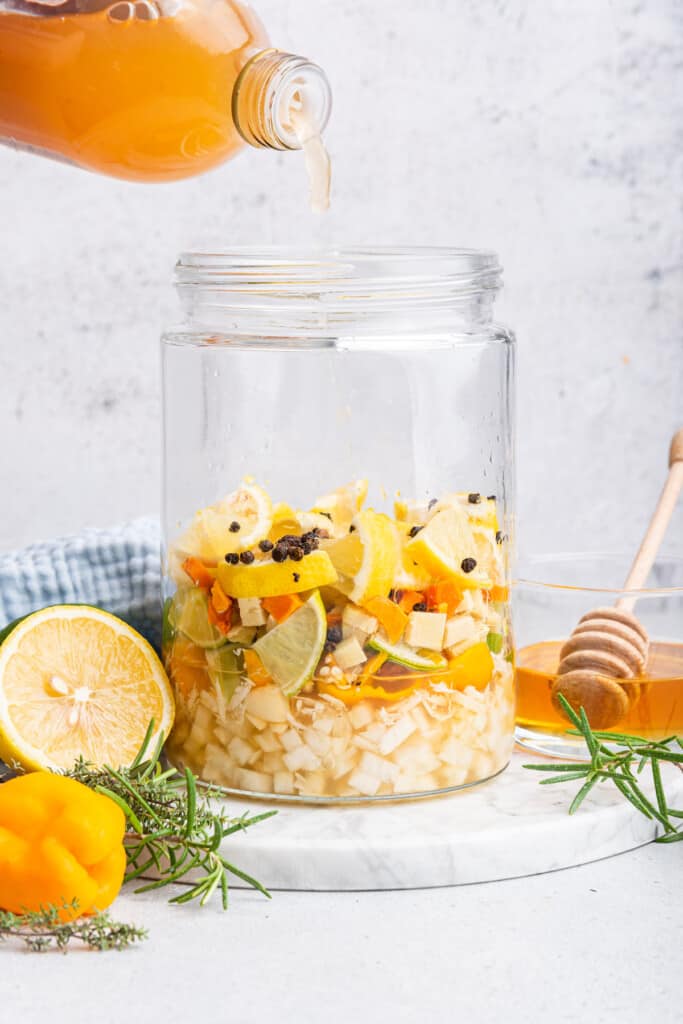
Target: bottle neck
280,101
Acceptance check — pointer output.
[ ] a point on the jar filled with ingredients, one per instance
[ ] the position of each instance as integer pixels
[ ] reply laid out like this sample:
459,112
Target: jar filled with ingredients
153,90
338,464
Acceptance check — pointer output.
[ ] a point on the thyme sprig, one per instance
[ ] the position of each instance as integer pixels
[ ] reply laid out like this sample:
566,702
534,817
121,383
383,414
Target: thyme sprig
43,929
621,765
173,834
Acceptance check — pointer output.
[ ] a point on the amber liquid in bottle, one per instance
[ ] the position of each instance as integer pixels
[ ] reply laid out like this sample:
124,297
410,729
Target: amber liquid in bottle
130,91
656,698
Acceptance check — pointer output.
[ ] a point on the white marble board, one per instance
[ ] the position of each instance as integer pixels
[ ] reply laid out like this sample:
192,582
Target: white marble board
506,828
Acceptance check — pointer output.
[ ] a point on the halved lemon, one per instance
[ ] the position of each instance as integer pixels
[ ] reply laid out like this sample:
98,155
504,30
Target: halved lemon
446,547
235,524
291,651
271,579
368,558
76,681
341,505
482,512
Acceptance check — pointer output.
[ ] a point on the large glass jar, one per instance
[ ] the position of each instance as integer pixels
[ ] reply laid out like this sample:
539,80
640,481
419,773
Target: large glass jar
338,465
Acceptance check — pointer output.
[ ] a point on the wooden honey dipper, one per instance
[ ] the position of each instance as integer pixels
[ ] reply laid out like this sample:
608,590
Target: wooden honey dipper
610,646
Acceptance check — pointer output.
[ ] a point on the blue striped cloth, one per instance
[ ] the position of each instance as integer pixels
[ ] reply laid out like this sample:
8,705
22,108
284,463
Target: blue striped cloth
118,569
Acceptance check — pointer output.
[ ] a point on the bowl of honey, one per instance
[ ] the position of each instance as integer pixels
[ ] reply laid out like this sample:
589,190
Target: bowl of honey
551,594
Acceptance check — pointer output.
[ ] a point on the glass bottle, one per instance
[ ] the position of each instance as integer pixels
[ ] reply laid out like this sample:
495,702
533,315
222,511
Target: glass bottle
338,466
150,90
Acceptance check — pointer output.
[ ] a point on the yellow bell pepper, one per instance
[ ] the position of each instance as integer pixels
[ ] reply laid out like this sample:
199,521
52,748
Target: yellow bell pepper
59,842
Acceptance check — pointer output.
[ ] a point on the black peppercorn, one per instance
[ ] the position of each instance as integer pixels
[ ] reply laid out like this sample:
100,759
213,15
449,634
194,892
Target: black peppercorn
235,526
265,545
421,606
296,553
247,557
296,577
334,635
414,530
499,537
352,528
279,554
490,497
232,558
474,498
468,564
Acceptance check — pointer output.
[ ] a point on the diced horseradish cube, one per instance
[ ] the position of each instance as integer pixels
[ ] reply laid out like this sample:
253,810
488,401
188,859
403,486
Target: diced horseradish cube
361,714
355,621
452,776
459,628
258,723
397,734
319,743
267,703
283,782
267,741
425,629
257,782
273,763
349,653
290,740
344,763
251,612
374,765
302,759
456,753
311,784
366,785
242,752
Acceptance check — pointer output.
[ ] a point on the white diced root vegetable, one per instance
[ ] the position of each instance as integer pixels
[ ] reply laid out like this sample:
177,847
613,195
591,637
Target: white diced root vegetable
242,752
452,776
344,763
311,784
366,785
273,762
459,628
456,753
290,740
356,622
267,741
349,653
268,703
258,723
397,734
302,759
416,755
361,714
283,782
255,782
318,742
425,629
371,764
251,612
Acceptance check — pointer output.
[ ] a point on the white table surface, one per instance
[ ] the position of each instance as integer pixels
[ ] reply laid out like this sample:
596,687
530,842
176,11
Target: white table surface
596,943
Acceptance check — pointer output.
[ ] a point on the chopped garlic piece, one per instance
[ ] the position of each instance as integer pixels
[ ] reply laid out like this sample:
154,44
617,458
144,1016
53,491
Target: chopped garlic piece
355,621
349,653
459,628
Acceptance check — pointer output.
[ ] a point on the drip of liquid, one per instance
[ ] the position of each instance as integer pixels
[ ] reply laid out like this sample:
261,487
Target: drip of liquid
316,157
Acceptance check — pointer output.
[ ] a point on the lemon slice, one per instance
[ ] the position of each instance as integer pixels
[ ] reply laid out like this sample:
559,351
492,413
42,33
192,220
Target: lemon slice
271,579
189,614
482,512
409,574
444,546
76,681
341,505
210,536
291,651
381,553
402,654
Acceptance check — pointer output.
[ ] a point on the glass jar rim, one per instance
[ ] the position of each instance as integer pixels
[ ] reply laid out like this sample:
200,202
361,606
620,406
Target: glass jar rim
525,578
329,286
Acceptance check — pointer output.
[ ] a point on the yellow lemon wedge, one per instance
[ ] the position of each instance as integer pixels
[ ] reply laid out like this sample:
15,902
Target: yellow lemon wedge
482,513
271,579
446,547
370,555
341,505
235,524
76,681
409,574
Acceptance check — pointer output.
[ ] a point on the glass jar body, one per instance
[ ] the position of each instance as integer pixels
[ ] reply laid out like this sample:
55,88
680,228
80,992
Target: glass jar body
388,454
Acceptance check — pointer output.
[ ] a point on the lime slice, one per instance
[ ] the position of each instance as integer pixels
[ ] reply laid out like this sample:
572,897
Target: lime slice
190,615
291,651
402,654
225,667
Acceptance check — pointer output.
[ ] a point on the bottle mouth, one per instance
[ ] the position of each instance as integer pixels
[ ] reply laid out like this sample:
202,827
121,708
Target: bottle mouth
406,287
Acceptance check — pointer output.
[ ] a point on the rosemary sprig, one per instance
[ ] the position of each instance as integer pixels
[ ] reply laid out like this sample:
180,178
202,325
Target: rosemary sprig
173,834
41,930
622,766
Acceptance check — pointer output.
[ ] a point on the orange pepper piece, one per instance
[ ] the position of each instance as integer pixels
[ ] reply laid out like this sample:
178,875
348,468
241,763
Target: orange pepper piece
283,606
59,842
220,600
443,592
255,669
474,667
497,593
198,573
389,615
408,599
186,666
354,694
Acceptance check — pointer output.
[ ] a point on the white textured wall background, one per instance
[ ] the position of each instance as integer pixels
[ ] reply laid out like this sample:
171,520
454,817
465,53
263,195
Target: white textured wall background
548,130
